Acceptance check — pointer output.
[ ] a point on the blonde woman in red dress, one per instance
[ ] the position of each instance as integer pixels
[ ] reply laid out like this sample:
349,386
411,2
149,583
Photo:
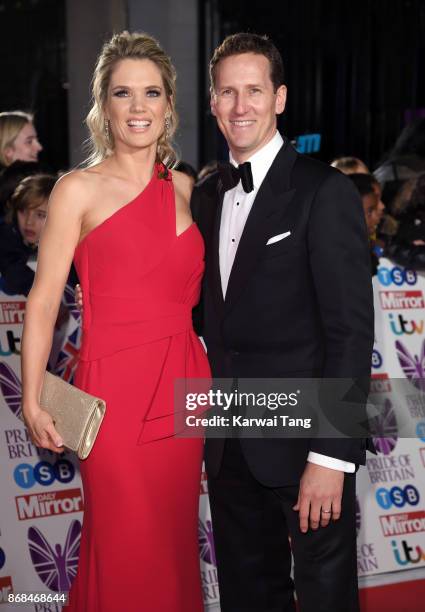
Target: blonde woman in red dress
125,220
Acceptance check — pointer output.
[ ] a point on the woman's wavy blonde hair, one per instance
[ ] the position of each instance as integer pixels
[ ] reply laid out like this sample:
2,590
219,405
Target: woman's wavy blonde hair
11,123
126,45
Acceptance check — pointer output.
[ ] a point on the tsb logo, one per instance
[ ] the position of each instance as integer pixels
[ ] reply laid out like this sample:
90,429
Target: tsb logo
398,497
396,276
376,359
43,473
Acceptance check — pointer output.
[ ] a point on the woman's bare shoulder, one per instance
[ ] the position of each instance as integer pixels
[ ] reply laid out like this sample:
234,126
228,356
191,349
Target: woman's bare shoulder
75,189
78,181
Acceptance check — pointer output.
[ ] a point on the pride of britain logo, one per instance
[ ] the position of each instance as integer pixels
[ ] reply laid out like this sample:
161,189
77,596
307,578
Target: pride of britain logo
412,365
384,429
206,542
11,388
56,565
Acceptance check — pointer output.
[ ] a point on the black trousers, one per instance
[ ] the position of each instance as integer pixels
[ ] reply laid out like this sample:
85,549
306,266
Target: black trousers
252,526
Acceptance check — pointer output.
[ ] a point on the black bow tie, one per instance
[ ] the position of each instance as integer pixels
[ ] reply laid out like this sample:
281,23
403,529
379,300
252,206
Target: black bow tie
230,176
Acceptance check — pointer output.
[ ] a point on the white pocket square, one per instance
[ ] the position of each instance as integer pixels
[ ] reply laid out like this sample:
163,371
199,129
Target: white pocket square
278,237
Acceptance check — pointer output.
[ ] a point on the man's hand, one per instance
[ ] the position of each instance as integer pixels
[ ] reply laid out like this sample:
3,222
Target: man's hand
79,297
319,497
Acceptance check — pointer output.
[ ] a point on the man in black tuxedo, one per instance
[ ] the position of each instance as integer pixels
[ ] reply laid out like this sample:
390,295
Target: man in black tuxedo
287,293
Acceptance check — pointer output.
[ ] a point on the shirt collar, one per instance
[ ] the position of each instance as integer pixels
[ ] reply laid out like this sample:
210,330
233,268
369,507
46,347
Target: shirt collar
262,159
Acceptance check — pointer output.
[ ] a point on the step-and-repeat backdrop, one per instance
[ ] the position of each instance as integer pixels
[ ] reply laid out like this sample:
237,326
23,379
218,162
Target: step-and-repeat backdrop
42,500
391,489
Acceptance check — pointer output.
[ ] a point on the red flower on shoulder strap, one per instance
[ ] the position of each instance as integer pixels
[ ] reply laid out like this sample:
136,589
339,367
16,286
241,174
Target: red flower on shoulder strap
163,172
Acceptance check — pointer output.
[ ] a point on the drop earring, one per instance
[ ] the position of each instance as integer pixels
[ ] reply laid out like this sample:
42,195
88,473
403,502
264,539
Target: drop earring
167,127
107,129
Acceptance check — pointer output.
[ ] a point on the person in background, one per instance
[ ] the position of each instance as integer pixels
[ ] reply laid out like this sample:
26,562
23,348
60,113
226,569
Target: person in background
18,138
404,162
408,245
373,207
20,234
350,165
187,169
11,176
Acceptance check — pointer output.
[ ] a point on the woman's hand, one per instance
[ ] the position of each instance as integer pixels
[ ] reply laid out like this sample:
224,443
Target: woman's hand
42,430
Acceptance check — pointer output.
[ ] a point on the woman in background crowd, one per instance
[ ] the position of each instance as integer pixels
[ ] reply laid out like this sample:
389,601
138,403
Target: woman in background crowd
18,138
408,245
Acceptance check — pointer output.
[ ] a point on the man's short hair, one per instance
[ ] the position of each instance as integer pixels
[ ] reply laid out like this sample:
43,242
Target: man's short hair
235,44
363,182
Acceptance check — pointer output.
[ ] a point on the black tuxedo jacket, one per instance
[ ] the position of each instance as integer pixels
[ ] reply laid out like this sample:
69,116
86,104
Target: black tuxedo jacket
301,307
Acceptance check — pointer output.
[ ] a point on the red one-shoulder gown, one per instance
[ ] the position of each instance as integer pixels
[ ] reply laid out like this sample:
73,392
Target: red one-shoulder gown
139,549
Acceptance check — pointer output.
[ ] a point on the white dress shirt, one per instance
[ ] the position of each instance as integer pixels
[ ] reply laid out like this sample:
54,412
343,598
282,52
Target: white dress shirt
236,207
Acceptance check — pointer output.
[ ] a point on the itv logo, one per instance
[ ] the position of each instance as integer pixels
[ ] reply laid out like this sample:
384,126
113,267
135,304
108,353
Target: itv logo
9,344
399,325
408,554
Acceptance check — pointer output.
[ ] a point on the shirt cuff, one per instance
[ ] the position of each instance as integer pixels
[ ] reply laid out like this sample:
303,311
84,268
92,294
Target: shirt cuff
331,462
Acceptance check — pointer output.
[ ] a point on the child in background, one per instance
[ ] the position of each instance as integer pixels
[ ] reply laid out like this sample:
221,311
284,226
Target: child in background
10,178
19,236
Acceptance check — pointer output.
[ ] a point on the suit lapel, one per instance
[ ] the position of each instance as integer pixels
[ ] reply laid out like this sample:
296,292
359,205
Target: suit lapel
271,201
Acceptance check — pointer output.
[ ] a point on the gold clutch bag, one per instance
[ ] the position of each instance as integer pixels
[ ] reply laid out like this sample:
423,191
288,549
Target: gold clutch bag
77,416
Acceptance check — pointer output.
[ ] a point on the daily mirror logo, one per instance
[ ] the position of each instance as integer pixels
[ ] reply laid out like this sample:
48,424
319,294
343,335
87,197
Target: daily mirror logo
12,313
5,588
401,524
53,503
401,300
